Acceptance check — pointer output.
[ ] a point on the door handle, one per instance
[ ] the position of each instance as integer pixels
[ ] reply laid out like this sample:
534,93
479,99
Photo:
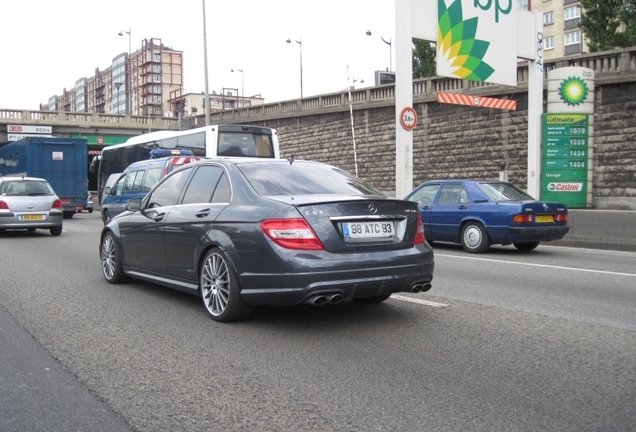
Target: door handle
158,217
463,207
203,213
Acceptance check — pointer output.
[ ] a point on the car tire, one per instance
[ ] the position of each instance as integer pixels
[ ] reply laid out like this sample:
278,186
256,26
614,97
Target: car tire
56,231
68,214
106,217
372,300
110,254
526,246
219,289
90,210
475,238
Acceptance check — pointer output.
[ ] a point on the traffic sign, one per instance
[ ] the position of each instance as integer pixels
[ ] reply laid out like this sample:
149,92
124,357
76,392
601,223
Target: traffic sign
408,118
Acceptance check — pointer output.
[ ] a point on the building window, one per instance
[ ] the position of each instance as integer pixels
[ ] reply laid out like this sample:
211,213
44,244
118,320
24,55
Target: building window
548,18
156,77
156,89
548,43
573,38
156,98
156,68
522,4
157,110
156,56
572,12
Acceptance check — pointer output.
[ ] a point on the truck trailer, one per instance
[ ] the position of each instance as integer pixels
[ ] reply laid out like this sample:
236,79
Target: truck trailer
61,161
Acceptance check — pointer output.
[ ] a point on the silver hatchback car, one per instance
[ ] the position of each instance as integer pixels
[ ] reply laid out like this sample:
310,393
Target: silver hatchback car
29,203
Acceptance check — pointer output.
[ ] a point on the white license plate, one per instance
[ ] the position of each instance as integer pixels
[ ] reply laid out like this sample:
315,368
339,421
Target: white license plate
356,230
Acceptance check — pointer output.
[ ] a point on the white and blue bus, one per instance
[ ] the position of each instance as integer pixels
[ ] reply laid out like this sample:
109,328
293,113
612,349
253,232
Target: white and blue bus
209,141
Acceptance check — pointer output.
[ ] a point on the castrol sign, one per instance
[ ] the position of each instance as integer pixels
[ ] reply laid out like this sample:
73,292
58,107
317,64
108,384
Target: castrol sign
565,187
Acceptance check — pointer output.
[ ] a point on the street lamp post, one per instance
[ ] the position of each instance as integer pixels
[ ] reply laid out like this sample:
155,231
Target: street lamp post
355,80
128,71
300,43
242,87
389,43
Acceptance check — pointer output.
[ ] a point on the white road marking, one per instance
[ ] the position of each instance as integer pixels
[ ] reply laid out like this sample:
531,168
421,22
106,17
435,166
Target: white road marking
414,300
539,265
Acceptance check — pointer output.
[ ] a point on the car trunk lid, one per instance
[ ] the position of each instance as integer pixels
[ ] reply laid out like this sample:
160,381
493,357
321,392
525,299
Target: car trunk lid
343,223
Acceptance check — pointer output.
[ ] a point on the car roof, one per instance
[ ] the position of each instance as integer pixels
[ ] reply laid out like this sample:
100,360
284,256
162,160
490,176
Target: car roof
14,178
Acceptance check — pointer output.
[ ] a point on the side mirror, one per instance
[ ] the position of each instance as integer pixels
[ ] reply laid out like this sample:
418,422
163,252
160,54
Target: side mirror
133,204
107,190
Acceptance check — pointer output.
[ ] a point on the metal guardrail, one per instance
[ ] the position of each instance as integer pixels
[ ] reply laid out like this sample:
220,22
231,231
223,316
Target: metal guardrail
618,62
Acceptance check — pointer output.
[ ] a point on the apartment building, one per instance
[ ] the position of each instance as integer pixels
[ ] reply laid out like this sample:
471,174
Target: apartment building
562,34
137,83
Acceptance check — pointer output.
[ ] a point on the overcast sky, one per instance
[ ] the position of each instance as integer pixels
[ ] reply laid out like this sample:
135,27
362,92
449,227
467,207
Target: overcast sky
49,44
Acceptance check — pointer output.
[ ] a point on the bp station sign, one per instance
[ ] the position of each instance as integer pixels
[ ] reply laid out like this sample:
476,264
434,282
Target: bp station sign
566,137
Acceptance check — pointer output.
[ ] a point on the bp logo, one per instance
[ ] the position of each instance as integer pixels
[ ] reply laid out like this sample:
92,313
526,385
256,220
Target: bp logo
457,45
573,91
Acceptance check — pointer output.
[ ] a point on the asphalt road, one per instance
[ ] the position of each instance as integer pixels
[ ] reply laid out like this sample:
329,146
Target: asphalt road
506,341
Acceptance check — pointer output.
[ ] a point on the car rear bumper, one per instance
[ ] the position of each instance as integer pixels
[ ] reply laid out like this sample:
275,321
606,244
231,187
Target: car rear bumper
294,288
11,220
537,233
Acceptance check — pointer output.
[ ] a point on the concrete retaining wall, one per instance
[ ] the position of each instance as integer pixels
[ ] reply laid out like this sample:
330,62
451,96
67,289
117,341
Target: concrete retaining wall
601,229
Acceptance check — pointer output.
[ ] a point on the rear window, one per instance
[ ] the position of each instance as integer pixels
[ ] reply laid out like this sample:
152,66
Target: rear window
303,178
504,192
26,188
245,144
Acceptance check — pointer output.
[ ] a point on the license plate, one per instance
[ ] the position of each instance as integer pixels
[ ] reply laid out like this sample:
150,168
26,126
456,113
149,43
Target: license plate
356,230
33,217
545,218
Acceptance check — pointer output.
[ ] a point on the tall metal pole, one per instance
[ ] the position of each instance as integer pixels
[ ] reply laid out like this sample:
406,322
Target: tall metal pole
206,103
301,63
301,67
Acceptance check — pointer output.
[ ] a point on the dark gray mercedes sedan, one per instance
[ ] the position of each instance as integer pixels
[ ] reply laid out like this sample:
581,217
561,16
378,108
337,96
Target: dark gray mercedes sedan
247,232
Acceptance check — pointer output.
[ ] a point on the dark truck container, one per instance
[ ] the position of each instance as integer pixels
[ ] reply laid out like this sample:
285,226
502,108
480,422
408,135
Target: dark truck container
61,161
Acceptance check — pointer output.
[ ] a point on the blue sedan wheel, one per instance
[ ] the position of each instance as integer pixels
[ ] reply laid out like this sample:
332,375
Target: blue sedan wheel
220,290
475,238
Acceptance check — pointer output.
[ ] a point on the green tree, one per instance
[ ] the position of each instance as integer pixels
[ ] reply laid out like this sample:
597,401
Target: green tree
600,21
424,55
628,16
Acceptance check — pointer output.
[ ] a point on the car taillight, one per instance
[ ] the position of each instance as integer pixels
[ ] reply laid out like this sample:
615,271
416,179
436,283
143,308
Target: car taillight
523,218
291,234
57,204
3,205
561,217
419,231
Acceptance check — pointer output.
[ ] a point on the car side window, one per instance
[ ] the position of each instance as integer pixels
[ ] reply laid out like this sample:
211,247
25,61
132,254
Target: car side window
130,177
425,195
463,196
138,178
167,192
223,192
450,194
153,175
202,184
119,186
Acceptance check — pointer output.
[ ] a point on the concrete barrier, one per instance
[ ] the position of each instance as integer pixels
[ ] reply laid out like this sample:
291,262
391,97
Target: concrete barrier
601,229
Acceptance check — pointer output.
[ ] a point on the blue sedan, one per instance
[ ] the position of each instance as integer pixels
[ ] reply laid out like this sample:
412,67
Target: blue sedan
478,214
